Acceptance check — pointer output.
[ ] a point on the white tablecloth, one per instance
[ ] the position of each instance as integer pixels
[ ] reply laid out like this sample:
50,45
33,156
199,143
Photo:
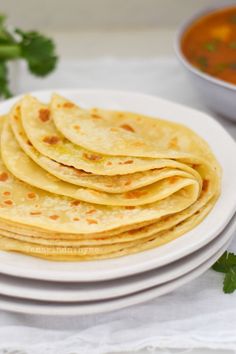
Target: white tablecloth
197,315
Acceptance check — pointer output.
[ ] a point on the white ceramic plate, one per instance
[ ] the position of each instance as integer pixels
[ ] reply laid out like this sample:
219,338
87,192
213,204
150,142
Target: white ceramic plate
72,309
94,291
201,123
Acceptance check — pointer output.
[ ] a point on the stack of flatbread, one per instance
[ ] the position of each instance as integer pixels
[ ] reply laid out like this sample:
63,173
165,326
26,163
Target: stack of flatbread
79,184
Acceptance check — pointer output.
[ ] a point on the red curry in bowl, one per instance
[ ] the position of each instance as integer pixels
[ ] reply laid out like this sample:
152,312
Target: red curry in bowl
210,44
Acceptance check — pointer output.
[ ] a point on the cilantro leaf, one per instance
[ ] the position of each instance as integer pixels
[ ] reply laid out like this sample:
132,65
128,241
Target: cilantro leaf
230,281
4,84
5,35
36,49
39,52
225,262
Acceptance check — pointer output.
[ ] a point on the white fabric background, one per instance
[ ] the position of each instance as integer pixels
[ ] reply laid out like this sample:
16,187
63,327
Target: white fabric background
197,315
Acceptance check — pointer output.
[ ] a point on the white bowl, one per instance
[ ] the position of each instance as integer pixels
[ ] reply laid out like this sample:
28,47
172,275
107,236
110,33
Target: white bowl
217,94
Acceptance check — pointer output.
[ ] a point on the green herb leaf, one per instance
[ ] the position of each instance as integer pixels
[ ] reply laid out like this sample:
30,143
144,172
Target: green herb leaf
38,51
225,262
4,84
5,36
220,67
233,19
202,62
230,281
232,66
211,46
232,45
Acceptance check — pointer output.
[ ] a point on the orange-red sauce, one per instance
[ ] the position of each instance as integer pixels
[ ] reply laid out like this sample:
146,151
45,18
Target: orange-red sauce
210,44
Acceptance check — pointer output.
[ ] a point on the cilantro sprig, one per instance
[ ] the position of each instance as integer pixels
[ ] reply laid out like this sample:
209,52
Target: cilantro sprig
33,47
227,264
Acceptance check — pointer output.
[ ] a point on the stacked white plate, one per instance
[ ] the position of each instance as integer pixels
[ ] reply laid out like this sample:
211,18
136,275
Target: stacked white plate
37,286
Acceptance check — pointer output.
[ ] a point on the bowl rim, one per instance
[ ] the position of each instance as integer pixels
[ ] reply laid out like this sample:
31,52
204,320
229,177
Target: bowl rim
180,55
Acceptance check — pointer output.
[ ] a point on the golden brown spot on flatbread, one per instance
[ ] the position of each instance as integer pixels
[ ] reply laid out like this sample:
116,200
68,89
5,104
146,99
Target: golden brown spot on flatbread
92,157
31,195
91,211
131,232
54,217
109,185
68,105
173,144
3,176
135,194
128,182
76,127
44,114
91,221
8,202
15,117
35,213
76,219
128,162
96,116
75,203
51,140
6,193
127,127
205,185
29,143
109,163
130,207
173,179
81,172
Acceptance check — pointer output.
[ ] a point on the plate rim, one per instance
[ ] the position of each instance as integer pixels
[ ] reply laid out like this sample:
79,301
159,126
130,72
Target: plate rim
113,290
126,270
70,309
